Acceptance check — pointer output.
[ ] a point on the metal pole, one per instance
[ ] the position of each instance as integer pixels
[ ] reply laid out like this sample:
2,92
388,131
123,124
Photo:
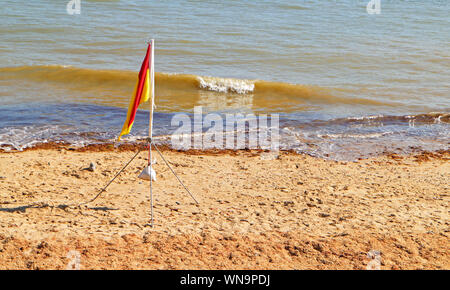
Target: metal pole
170,167
111,181
150,128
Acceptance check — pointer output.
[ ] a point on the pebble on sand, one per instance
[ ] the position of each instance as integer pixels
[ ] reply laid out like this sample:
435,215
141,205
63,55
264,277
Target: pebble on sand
91,167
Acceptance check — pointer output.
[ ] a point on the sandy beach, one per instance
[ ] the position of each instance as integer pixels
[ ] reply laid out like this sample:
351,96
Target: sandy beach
257,211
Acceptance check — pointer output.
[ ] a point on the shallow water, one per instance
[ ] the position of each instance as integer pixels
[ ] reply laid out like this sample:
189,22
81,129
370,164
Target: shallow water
319,64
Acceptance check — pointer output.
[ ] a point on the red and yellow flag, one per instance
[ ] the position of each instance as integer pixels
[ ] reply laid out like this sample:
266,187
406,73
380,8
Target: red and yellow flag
141,94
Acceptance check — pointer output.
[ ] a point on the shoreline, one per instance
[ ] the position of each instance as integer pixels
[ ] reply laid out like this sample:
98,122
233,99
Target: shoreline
420,154
293,211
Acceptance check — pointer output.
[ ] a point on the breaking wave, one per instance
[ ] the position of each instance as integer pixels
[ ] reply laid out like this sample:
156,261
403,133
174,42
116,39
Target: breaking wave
120,82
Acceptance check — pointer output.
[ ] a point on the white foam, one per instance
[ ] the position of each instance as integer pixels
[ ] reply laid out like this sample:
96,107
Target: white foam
224,85
365,118
21,138
356,136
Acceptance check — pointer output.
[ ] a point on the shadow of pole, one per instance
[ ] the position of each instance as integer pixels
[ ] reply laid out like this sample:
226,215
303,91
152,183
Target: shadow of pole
45,205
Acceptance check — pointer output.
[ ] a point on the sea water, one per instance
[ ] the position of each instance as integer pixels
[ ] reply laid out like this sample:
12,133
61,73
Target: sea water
345,83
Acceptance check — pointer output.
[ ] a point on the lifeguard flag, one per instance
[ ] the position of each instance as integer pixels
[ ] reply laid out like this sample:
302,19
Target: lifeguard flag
141,94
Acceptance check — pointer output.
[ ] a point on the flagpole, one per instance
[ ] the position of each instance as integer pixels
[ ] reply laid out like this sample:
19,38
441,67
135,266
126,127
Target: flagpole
152,77
151,65
150,127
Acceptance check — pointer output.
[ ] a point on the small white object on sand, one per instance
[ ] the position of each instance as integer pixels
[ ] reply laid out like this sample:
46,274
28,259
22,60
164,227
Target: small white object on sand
145,174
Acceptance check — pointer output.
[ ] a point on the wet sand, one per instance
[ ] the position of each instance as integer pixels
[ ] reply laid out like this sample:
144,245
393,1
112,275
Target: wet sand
256,211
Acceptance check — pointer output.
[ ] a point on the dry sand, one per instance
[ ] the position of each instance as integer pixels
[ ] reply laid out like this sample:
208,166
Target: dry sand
293,212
